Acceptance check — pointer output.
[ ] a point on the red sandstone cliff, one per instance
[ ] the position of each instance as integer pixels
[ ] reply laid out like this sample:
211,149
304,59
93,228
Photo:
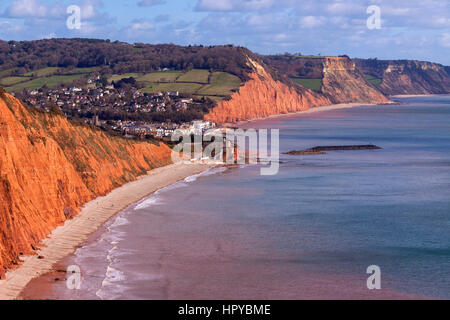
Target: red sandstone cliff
263,96
49,168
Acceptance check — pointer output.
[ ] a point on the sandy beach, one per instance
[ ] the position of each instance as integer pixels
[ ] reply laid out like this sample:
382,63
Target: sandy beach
65,239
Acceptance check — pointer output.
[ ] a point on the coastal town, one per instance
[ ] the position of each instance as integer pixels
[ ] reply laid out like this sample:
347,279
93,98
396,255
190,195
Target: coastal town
120,108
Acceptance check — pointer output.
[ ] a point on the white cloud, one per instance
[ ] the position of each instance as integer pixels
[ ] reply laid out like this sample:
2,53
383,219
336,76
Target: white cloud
311,21
90,9
396,11
26,8
345,8
87,28
280,37
87,11
146,25
234,5
49,36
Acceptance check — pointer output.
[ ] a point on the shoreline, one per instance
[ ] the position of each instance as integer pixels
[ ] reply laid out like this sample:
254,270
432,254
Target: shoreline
65,239
417,95
308,111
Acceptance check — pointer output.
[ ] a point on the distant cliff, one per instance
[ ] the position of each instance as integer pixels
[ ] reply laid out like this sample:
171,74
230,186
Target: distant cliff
49,168
343,83
407,76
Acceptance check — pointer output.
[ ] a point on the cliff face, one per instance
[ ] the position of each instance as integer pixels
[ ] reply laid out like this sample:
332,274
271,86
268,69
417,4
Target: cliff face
263,96
407,76
343,83
49,168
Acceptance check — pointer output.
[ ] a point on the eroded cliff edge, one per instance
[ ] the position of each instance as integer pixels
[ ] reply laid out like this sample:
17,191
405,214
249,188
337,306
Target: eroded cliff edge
50,167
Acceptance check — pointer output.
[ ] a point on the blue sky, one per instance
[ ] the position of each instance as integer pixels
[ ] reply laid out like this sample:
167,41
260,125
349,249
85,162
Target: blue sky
410,29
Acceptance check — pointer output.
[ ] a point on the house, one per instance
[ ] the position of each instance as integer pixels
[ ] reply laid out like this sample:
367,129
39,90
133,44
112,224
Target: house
168,132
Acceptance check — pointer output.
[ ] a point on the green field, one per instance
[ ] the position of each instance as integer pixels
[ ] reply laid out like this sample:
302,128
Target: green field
164,87
42,72
313,84
9,81
51,82
162,76
194,82
6,71
195,75
221,84
43,76
373,80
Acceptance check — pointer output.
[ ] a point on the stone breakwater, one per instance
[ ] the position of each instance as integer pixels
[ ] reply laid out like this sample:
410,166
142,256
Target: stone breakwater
321,149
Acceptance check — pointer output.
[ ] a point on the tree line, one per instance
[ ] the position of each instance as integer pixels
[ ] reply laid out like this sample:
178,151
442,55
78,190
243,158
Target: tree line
119,57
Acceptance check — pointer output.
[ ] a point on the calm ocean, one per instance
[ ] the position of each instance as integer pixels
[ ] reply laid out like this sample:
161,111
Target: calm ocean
308,232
